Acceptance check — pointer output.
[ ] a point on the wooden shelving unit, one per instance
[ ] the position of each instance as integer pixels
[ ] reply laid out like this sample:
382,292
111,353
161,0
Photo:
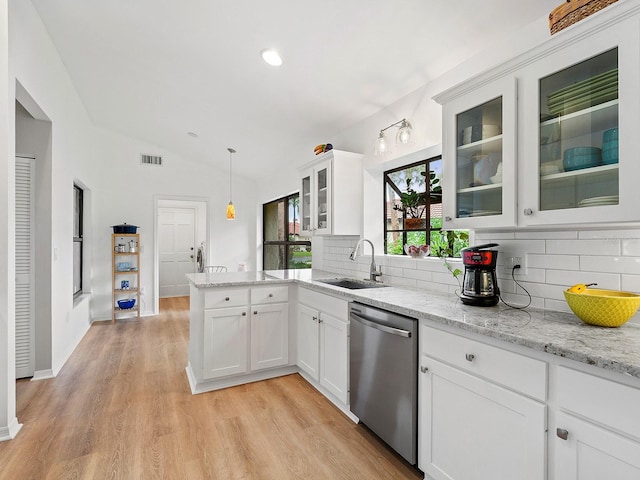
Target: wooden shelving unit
131,274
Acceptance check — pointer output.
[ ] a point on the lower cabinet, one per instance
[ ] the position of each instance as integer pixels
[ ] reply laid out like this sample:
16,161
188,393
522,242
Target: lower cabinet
585,451
323,342
269,335
472,426
225,341
248,336
596,434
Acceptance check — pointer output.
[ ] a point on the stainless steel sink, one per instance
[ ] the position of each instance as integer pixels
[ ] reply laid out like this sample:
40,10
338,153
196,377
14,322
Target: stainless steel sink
351,284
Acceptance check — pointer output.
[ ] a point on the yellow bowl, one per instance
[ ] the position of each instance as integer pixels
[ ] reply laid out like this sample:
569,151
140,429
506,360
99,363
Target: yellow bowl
606,308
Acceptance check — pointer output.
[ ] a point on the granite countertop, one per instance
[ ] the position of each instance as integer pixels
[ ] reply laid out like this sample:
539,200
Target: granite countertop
557,333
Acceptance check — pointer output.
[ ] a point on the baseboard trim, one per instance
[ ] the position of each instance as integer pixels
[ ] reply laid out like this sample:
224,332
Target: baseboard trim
219,383
9,432
42,375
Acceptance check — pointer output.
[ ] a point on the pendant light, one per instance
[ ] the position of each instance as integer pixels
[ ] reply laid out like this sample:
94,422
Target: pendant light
231,210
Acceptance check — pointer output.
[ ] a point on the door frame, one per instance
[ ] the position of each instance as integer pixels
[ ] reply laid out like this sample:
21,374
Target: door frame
201,204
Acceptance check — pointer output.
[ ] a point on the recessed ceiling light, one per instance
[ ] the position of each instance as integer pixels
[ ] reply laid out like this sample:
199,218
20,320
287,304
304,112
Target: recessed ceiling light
271,57
192,134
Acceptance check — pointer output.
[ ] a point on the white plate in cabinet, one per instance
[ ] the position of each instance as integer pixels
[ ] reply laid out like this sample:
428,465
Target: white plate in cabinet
473,429
585,451
515,371
275,294
226,297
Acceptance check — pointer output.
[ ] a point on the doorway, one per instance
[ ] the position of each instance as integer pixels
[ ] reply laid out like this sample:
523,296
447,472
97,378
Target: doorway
181,227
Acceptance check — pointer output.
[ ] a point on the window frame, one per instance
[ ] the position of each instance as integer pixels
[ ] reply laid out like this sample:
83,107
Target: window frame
78,205
286,243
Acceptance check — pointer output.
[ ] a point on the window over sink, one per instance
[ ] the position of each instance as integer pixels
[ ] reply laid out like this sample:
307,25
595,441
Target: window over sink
413,217
283,245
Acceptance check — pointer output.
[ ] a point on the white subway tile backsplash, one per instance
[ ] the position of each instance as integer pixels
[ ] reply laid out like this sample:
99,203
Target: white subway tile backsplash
631,247
536,235
584,247
564,262
566,278
554,260
630,265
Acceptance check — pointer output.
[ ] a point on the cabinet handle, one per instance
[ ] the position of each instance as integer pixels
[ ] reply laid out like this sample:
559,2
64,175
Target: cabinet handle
528,211
255,312
424,369
469,357
447,219
244,314
319,320
315,319
271,295
562,433
226,299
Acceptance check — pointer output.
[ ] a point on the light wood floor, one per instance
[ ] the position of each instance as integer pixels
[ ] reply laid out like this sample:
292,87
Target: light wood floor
121,408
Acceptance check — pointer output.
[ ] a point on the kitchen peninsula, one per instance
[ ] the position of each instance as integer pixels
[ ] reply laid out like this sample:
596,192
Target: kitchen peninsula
543,376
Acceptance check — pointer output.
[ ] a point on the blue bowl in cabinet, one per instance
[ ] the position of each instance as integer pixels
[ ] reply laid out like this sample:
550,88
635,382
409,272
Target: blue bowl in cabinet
581,157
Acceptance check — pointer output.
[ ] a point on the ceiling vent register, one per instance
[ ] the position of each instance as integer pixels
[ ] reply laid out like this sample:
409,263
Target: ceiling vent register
151,160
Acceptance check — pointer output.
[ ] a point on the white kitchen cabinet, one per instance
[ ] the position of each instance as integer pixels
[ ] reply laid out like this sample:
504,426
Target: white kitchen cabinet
308,341
596,435
576,90
225,342
323,342
591,452
479,148
269,335
470,425
238,333
331,194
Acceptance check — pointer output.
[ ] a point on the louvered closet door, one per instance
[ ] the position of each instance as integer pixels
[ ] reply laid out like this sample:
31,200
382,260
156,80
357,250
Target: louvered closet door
25,322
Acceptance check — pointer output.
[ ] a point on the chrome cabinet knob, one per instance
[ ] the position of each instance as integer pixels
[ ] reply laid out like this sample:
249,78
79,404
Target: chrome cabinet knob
244,314
271,295
528,212
315,319
562,433
469,357
226,299
447,219
255,312
424,369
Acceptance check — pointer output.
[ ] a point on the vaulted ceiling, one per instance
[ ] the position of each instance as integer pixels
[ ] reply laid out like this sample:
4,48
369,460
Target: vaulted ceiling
157,69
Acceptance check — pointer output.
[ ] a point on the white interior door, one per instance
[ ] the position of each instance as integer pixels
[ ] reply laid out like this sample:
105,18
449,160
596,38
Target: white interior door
25,318
176,250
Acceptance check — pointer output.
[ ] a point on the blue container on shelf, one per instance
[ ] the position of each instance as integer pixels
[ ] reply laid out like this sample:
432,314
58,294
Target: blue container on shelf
610,146
126,304
581,157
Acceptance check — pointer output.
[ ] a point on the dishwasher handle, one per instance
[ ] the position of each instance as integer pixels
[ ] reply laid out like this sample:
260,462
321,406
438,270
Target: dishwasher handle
382,328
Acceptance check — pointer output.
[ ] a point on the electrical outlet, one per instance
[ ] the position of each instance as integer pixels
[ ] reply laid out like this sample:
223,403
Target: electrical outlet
513,261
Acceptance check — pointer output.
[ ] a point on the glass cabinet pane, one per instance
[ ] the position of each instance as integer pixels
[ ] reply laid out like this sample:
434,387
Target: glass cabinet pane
321,181
305,209
479,160
578,156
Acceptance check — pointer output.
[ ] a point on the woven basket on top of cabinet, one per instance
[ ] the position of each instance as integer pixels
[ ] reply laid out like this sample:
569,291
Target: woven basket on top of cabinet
573,11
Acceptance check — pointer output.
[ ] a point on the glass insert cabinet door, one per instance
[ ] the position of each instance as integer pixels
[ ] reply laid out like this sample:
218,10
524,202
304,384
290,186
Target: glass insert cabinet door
578,135
322,205
479,160
305,203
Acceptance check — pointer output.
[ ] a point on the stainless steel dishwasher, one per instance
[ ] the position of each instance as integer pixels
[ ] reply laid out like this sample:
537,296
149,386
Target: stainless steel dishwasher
383,364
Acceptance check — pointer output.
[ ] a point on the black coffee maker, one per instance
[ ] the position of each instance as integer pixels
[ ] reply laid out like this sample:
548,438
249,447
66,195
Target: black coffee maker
480,286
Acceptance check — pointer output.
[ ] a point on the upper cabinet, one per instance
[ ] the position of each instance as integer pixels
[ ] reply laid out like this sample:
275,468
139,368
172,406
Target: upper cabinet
480,152
565,152
331,194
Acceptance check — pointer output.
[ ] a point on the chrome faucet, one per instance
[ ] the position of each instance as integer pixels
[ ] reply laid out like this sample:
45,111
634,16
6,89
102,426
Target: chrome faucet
374,270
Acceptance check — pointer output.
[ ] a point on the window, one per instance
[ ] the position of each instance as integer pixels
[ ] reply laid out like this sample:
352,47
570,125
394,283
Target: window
411,217
283,247
77,239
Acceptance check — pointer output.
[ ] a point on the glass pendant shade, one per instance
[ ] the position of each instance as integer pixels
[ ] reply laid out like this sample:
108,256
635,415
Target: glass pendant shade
231,211
381,146
404,133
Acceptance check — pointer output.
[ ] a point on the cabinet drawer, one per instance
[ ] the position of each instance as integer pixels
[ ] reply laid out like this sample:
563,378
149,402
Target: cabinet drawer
515,371
600,400
232,297
274,294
